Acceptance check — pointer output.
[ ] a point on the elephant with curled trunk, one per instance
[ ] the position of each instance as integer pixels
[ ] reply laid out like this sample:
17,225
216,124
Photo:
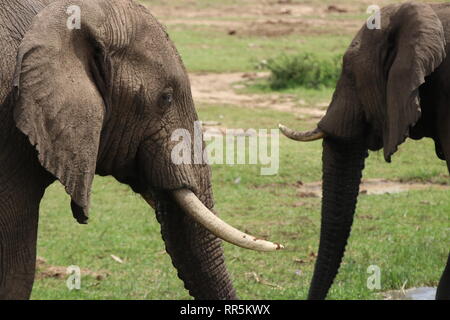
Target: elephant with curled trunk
394,84
102,97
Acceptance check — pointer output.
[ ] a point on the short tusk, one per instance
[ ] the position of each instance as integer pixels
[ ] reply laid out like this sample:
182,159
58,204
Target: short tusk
313,135
200,213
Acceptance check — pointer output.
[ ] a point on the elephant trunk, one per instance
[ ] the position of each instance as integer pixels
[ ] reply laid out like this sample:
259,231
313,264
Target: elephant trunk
343,163
195,252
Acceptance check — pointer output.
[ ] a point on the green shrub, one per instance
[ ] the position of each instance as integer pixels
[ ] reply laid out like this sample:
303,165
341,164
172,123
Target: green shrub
304,70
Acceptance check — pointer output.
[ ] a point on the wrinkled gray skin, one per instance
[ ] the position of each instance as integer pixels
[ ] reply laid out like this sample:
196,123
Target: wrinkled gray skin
100,100
395,84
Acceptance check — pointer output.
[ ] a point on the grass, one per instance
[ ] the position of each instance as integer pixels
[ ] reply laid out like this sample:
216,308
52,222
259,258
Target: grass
405,234
205,49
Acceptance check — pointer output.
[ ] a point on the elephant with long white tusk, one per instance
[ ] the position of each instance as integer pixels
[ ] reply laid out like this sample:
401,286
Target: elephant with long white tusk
101,93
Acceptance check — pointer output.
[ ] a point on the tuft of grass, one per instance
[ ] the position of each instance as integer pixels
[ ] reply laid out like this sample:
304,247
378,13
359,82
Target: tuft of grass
304,70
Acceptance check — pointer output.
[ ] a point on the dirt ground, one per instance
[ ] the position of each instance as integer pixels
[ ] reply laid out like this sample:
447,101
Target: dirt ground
367,187
266,17
222,88
372,187
46,270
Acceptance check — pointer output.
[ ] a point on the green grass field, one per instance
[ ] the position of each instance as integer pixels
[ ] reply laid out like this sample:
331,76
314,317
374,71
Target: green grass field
405,234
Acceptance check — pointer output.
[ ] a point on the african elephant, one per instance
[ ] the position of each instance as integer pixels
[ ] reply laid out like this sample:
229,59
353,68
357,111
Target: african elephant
101,98
394,84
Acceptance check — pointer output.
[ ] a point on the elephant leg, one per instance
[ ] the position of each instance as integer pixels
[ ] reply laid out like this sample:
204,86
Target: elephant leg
196,254
18,234
443,290
443,129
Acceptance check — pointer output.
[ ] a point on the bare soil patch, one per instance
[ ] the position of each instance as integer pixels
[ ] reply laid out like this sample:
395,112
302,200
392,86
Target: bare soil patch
368,187
263,18
45,270
221,88
266,17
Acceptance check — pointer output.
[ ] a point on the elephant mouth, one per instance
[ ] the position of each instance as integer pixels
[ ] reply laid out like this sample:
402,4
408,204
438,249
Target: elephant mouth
193,207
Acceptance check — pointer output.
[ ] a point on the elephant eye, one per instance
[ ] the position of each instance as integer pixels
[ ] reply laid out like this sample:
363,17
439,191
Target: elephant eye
166,99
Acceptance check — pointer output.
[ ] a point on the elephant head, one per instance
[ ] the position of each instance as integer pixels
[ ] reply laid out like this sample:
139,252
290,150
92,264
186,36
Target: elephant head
375,105
103,97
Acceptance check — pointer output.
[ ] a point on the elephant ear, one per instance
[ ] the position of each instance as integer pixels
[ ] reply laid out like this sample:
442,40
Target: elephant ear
419,49
59,106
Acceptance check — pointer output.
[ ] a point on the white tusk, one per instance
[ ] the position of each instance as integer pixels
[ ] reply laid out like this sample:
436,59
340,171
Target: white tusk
189,202
313,135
